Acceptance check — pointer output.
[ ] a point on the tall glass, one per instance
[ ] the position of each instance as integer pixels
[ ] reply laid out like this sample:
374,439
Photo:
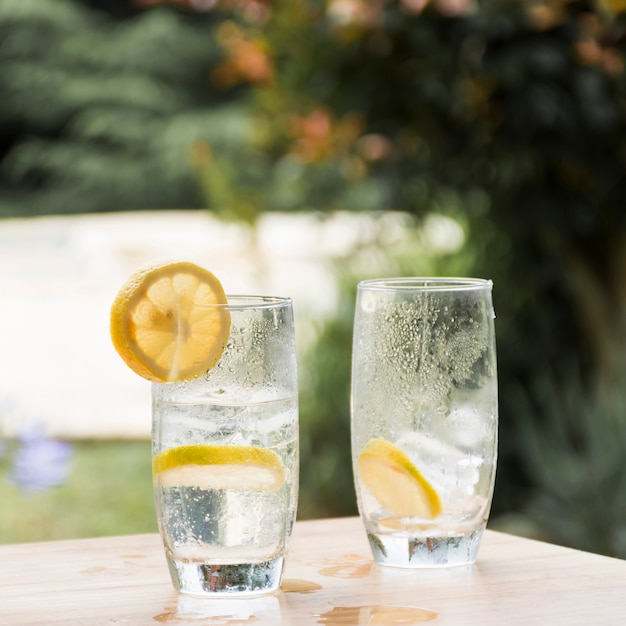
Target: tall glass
424,417
227,510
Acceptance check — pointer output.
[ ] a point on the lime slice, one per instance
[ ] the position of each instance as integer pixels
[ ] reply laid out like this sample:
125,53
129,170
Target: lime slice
244,468
398,486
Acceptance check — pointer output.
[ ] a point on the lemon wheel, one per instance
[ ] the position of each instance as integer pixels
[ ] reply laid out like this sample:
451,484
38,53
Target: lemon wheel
164,322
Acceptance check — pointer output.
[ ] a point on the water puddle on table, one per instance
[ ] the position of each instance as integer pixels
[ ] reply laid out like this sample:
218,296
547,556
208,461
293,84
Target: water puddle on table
296,585
382,615
347,566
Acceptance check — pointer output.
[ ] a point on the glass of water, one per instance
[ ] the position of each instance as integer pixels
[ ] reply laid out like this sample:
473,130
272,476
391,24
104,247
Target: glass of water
424,417
225,457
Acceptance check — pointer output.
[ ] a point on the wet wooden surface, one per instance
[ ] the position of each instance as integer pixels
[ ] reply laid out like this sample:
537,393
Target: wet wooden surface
330,579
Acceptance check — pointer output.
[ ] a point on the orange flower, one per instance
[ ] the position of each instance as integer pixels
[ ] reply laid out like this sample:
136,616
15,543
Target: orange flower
246,59
592,48
355,13
317,136
313,135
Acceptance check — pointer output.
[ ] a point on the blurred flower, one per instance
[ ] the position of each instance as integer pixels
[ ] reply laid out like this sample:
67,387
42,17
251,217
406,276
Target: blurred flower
455,8
356,13
413,6
255,11
247,60
374,147
546,15
595,46
313,134
39,461
317,136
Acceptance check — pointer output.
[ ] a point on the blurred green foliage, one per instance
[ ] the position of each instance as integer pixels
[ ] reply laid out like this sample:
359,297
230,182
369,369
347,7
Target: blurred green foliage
109,492
574,452
507,115
98,114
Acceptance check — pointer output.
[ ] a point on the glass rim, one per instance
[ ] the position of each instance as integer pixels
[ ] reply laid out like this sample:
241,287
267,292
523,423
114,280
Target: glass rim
426,283
242,302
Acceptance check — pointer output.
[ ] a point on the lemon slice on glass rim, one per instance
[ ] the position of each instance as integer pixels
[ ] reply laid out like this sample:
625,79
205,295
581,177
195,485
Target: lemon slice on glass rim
161,323
395,482
208,466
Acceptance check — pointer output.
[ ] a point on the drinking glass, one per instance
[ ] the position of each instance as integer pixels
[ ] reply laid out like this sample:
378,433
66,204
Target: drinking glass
424,406
226,521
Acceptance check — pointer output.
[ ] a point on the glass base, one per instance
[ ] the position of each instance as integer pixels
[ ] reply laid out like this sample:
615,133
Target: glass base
404,550
239,579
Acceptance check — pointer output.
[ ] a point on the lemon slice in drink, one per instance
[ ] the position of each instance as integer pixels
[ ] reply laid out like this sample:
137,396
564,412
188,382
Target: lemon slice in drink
208,466
161,325
390,476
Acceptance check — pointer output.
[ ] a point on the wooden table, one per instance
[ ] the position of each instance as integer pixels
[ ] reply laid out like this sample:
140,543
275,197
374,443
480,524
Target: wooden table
330,579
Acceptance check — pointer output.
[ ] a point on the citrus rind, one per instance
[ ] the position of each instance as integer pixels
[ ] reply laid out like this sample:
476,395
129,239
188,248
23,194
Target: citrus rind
205,466
395,482
164,322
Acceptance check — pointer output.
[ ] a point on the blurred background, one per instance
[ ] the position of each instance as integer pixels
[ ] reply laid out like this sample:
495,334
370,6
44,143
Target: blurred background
296,148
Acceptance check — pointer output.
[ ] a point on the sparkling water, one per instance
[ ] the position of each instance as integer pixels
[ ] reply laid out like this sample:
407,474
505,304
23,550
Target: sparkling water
227,540
462,476
424,379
